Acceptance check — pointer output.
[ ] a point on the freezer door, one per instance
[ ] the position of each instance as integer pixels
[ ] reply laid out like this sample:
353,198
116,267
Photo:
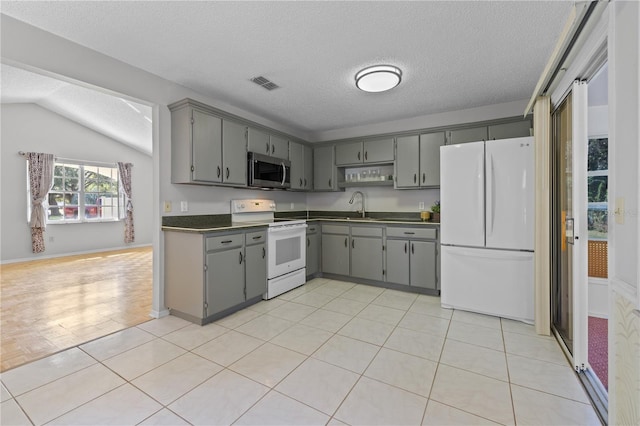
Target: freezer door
462,194
509,193
492,282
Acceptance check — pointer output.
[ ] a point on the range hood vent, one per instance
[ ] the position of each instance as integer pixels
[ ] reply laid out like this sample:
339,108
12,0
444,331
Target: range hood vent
267,84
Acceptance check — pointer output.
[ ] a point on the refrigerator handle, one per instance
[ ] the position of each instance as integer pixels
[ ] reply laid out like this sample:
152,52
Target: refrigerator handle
480,192
490,200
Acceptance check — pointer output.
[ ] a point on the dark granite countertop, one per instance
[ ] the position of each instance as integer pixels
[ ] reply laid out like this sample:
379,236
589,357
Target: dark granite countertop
222,222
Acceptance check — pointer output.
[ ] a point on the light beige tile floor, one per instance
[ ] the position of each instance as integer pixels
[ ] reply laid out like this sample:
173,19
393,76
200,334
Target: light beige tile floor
330,352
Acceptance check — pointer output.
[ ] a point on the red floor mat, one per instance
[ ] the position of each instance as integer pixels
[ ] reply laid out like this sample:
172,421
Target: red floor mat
598,349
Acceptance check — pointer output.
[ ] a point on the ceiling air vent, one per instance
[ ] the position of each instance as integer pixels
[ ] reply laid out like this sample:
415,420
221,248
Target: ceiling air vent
261,81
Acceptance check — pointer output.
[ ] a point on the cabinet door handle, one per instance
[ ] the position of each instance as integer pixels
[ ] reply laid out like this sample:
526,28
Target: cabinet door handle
405,247
264,252
423,177
345,242
257,237
308,242
412,249
240,257
409,233
415,177
218,171
226,241
358,155
353,243
366,155
329,182
267,151
300,181
227,173
273,149
305,182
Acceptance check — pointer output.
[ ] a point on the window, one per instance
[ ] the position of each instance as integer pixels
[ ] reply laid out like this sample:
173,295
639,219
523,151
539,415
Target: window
597,188
84,193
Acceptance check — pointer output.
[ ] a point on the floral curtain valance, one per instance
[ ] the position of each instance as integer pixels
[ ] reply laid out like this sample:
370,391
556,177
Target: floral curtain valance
40,180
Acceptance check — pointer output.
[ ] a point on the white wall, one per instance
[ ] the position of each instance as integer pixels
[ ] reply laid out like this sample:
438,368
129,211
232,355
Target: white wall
29,127
624,240
598,121
381,199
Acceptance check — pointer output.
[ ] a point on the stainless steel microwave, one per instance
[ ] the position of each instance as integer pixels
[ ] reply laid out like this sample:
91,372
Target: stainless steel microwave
268,172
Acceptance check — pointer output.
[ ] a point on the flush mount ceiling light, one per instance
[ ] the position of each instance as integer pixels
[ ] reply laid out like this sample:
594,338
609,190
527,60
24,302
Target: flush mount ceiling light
378,78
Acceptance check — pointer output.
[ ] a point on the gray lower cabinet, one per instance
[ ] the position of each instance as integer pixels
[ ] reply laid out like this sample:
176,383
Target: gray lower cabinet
208,275
224,286
256,270
412,257
313,249
366,258
335,249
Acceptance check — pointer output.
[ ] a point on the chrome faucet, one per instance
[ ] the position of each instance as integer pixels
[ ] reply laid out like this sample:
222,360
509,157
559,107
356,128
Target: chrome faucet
353,197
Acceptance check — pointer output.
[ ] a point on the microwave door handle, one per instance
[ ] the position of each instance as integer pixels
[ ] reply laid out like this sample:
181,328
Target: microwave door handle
284,173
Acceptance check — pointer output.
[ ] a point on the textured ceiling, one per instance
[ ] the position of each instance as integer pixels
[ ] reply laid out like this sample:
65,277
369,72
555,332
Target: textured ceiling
123,120
453,54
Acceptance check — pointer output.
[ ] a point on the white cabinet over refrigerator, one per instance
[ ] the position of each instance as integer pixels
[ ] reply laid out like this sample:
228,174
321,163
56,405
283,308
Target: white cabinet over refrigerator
487,218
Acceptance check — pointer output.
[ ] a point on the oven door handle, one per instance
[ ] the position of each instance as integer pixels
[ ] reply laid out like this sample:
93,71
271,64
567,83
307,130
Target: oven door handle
292,229
284,173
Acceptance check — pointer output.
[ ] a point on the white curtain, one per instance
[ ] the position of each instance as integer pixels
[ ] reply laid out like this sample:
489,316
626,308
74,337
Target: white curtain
40,181
124,170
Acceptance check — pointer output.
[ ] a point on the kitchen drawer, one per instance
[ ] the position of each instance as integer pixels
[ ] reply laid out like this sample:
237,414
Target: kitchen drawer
312,228
424,233
255,237
335,229
224,241
366,231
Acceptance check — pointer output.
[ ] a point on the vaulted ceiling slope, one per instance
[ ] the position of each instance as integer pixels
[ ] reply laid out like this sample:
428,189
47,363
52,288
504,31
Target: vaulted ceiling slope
454,54
123,120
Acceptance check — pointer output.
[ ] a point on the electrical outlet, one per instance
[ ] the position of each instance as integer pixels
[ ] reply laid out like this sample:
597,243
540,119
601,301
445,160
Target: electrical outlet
167,206
291,206
421,205
184,206
619,210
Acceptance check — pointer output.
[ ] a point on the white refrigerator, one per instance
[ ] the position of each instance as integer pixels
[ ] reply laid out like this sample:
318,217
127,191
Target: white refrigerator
487,220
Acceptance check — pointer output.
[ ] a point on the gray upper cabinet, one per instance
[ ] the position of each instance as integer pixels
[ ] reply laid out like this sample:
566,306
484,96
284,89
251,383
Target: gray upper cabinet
324,169
408,161
258,141
308,168
234,153
430,144
196,148
301,158
378,150
473,134
516,129
349,153
279,147
263,143
369,151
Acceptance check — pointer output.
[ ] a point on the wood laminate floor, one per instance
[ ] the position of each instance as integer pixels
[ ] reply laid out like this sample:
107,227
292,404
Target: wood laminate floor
50,305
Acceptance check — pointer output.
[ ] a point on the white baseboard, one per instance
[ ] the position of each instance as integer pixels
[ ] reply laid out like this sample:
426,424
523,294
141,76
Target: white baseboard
76,253
159,314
